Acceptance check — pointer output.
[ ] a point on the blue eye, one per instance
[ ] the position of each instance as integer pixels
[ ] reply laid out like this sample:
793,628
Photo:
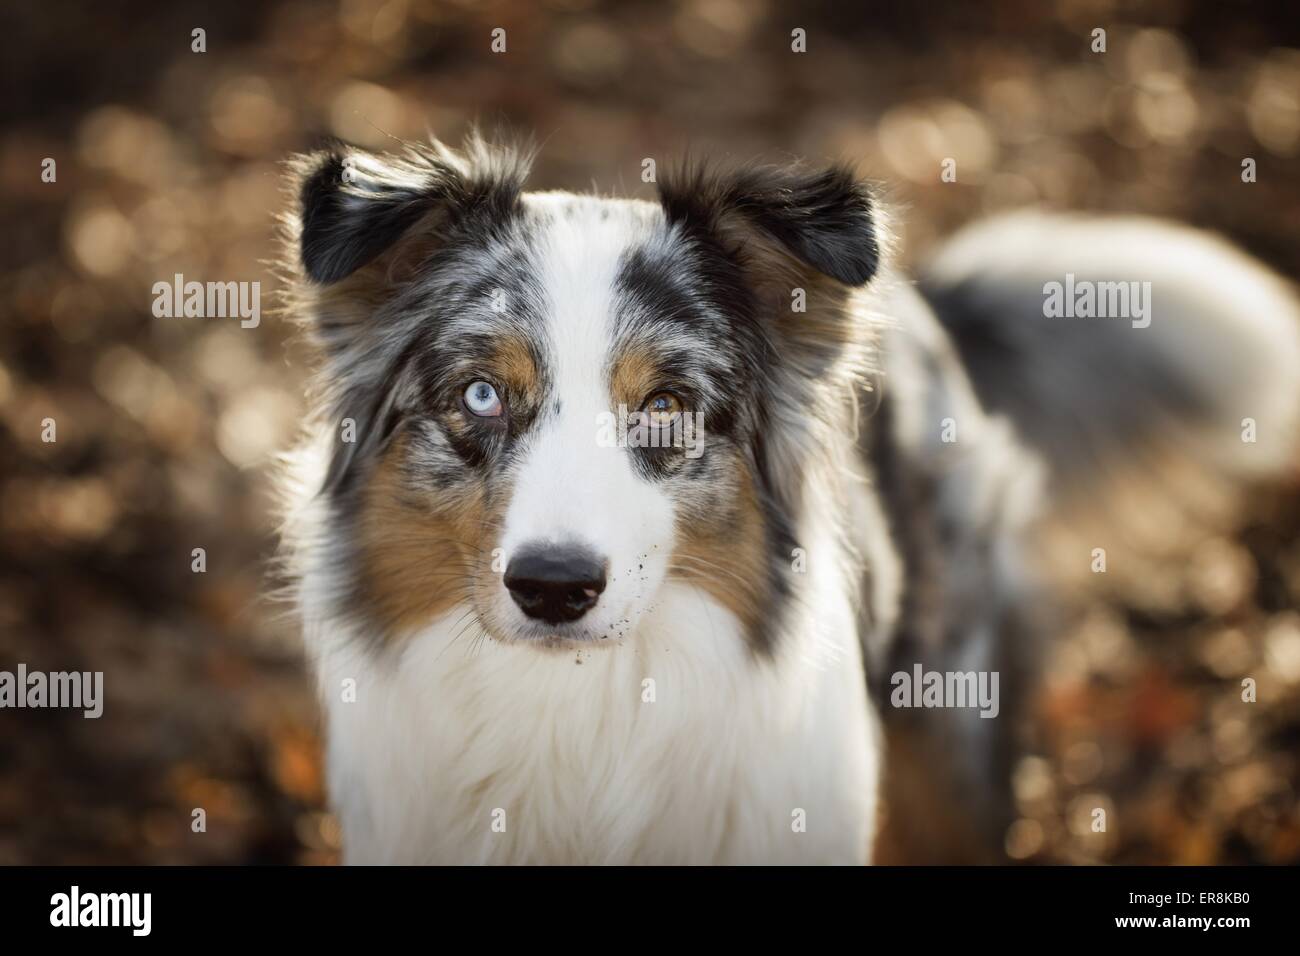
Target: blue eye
481,399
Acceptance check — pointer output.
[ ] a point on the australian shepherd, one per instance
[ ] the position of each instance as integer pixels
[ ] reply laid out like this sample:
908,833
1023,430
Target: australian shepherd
615,518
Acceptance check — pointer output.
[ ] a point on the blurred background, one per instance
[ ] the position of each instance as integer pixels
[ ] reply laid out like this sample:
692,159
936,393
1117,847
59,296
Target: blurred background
168,161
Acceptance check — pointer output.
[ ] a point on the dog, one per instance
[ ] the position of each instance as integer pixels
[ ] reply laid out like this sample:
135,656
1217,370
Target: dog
615,521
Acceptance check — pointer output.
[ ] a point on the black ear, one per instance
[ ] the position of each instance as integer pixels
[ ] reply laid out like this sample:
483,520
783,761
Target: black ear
355,206
349,217
824,218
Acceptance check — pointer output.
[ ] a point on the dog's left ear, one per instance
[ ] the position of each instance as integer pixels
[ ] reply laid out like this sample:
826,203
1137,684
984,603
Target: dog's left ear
785,218
784,248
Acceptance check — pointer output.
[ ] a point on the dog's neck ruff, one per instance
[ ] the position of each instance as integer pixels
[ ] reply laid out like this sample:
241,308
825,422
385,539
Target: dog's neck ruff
676,745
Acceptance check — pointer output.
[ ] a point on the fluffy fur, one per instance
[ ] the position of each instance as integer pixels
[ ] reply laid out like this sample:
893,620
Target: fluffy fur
712,707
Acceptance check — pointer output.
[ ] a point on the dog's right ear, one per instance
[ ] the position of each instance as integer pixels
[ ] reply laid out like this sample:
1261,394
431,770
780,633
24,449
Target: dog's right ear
354,207
359,230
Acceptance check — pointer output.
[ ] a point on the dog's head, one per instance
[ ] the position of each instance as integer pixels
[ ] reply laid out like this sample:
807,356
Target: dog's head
547,408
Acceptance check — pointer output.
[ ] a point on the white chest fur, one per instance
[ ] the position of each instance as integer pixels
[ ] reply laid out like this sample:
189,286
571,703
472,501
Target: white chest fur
675,746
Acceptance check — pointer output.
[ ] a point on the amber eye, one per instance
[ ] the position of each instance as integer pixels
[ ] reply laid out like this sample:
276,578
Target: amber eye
662,409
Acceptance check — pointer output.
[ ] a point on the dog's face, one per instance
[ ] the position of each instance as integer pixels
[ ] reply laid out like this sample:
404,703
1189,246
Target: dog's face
549,406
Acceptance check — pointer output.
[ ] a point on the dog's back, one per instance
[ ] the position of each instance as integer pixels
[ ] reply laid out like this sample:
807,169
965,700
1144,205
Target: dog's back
1022,408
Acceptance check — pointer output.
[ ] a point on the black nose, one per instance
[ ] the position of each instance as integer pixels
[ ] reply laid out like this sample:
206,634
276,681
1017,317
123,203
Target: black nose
555,584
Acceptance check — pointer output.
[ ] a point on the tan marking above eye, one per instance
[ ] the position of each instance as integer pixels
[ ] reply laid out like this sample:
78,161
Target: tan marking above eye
511,372
634,374
513,359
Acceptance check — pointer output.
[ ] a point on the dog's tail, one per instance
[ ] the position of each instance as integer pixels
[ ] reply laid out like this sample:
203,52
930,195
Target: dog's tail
1154,367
